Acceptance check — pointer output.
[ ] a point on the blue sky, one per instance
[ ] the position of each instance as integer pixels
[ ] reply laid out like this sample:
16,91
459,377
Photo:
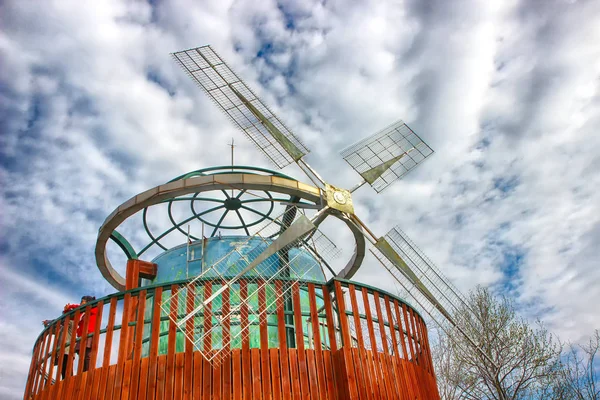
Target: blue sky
93,110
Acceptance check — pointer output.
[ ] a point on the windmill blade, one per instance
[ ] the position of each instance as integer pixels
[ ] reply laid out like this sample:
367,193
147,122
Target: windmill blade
387,155
242,106
425,283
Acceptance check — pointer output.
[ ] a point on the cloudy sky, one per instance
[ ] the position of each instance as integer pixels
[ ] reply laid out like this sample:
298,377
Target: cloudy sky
93,110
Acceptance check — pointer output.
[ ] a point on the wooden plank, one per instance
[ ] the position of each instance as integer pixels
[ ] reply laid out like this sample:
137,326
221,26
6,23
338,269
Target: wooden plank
197,386
171,342
346,341
294,375
189,346
72,340
408,351
154,340
83,339
110,328
362,368
122,357
275,374
126,380
376,374
61,351
226,376
237,374
33,368
329,376
226,345
73,381
100,389
415,336
41,381
429,356
143,384
178,375
246,358
96,336
161,376
395,359
112,373
301,355
331,387
316,335
283,345
55,330
216,376
312,374
206,380
264,340
402,363
386,368
256,376
80,392
137,347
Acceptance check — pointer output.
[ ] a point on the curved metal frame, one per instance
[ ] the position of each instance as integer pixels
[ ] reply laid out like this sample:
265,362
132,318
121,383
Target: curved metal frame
204,183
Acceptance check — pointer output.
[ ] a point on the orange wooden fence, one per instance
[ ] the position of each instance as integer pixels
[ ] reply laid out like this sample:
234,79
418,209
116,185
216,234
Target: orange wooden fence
344,340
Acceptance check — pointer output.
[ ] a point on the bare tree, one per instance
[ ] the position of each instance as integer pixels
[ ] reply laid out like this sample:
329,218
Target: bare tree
525,359
581,370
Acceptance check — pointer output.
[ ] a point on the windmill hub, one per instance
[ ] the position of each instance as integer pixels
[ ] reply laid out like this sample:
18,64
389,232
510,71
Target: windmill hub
339,197
232,204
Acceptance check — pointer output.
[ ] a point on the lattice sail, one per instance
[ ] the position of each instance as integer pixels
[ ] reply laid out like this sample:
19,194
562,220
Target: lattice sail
243,107
432,292
387,155
250,286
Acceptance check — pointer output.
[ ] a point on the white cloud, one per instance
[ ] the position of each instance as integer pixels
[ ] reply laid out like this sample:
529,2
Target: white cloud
94,111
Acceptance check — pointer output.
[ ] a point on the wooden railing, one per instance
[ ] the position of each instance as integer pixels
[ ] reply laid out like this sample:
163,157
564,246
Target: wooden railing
336,340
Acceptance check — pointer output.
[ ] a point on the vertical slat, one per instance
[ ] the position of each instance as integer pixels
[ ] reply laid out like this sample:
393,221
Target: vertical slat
385,357
72,340
283,347
346,341
294,377
154,340
331,387
143,385
264,339
216,377
81,387
178,375
43,381
197,386
33,366
246,357
171,342
395,359
83,339
63,341
226,346
426,338
110,329
415,336
275,374
316,334
409,332
256,375
378,383
137,348
362,367
237,374
122,347
189,346
112,372
303,373
404,364
312,374
96,336
96,384
53,350
100,392
161,376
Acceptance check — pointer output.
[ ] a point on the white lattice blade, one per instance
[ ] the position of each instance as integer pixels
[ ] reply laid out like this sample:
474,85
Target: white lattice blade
242,106
387,155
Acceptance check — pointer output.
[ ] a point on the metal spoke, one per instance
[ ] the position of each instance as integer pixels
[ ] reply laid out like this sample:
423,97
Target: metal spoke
242,221
219,223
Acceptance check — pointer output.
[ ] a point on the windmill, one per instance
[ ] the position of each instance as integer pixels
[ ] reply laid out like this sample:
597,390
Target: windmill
380,160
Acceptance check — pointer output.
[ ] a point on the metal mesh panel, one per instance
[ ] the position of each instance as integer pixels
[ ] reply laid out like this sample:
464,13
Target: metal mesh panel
443,291
224,87
387,155
210,326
